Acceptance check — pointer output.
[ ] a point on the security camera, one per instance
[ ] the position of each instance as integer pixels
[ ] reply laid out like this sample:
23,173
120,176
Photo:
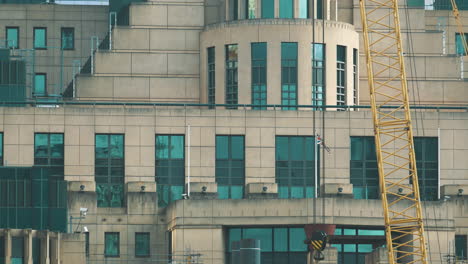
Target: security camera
142,188
204,189
85,229
264,189
340,189
460,192
83,211
82,187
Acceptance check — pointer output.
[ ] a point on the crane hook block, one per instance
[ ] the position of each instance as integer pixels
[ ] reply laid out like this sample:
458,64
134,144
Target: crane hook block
319,240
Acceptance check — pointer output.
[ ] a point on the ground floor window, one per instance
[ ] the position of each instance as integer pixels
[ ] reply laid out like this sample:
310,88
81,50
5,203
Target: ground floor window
279,245
354,243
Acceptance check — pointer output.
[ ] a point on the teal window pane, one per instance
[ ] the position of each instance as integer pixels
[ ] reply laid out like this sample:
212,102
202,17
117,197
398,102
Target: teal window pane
234,234
36,250
265,235
286,8
338,247
296,240
1,149
56,145
68,38
41,145
365,248
162,147
237,192
142,244
461,247
310,192
40,38
303,9
318,74
349,232
289,75
223,192
280,239
211,76
102,146
177,147
364,232
17,248
283,192
222,147
237,147
349,248
268,8
282,148
40,86
16,260
12,37
86,244
296,144
176,192
111,244
250,10
338,231
259,73
116,146
297,192
460,49
320,10
415,3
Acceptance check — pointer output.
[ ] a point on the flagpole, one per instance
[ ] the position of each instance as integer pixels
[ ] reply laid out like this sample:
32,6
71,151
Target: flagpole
315,167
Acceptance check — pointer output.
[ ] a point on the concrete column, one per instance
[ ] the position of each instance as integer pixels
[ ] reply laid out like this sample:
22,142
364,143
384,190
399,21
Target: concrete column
277,8
333,10
7,246
55,249
28,246
326,9
296,9
45,244
258,8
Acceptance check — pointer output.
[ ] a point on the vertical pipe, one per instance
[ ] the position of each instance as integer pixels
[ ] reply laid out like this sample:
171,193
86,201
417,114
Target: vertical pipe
188,160
249,251
235,252
438,163
315,166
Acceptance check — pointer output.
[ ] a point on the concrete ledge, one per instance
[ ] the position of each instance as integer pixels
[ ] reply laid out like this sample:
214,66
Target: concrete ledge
82,186
203,190
262,190
137,187
454,190
337,189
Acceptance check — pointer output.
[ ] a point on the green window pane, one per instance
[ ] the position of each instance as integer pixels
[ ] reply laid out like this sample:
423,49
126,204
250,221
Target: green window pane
162,147
286,8
237,192
36,250
461,247
365,248
68,38
349,232
177,147
320,10
415,3
40,84
12,37
40,38
56,145
234,234
296,240
237,143
282,148
265,235
223,192
357,148
349,248
280,239
364,232
142,244
116,146
250,10
222,146
303,9
297,192
41,145
460,49
268,8
338,231
111,244
17,247
297,149
211,76
1,148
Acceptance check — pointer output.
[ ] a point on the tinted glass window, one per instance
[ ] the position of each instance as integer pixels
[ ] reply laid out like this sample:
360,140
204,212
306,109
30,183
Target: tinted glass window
111,244
12,37
268,8
286,8
40,84
259,72
211,76
40,38
289,75
142,244
68,38
230,166
363,164
231,75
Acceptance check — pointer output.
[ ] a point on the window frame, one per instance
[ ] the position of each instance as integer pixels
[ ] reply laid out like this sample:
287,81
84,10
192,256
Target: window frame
355,76
62,31
49,156
149,244
34,93
289,68
2,145
17,36
464,239
364,167
341,78
106,255
230,160
259,67
231,77
211,76
45,38
316,101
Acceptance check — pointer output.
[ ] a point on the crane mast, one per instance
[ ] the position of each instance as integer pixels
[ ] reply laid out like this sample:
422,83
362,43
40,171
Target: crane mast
393,131
456,14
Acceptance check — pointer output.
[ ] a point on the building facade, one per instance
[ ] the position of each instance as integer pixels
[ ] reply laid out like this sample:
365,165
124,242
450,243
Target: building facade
206,122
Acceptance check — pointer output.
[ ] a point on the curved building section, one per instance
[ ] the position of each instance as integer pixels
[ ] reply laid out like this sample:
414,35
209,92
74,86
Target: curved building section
271,61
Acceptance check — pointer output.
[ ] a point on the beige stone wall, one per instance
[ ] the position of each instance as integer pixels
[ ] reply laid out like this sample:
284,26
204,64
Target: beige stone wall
86,20
246,32
155,59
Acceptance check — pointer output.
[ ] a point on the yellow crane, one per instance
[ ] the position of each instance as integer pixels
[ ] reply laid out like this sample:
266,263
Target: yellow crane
456,14
396,160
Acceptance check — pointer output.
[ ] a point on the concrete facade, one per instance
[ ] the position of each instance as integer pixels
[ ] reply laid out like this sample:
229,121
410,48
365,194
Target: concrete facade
161,57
